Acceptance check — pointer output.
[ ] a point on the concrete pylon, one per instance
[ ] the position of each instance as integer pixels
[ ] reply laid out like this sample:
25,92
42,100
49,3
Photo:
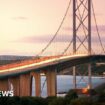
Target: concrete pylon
89,76
4,84
15,82
25,84
51,83
36,75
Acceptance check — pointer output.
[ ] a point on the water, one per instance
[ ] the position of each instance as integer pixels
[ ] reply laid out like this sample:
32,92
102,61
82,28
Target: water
65,83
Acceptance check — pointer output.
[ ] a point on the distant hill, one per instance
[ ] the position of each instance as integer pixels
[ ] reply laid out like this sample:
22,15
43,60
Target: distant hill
12,57
97,70
6,59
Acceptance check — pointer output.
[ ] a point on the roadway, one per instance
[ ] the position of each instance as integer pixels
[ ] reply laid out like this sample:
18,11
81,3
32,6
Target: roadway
59,63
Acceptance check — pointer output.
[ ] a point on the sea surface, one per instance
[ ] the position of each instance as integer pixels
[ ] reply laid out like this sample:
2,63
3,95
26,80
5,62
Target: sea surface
65,83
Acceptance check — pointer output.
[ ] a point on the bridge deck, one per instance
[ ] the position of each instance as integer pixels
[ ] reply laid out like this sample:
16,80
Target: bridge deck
39,64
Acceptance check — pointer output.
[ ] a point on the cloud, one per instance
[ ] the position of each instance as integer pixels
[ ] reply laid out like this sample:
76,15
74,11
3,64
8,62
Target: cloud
96,39
100,27
20,18
44,39
67,28
61,38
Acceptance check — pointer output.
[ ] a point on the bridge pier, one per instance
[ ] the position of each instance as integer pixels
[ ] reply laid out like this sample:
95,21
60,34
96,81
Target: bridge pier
15,82
74,77
89,76
25,85
36,75
51,83
4,84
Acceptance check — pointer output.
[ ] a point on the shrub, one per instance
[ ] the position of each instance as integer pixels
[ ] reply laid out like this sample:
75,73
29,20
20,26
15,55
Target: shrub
13,101
9,101
33,101
81,101
50,99
3,100
72,94
58,101
92,92
102,97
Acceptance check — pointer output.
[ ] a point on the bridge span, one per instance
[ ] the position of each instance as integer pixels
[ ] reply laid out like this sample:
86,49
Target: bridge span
20,74
45,63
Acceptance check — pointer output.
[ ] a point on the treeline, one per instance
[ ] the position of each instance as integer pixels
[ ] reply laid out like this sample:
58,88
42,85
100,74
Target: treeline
14,59
70,99
4,62
96,69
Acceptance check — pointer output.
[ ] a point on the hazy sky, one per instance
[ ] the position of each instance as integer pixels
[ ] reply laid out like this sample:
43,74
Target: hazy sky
27,25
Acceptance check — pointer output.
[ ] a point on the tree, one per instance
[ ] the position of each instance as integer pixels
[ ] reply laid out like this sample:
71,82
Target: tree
81,101
58,101
72,94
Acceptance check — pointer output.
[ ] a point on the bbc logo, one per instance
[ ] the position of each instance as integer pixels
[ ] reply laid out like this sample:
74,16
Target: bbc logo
6,93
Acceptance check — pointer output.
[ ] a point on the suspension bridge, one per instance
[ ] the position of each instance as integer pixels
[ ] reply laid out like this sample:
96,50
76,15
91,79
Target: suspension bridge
20,74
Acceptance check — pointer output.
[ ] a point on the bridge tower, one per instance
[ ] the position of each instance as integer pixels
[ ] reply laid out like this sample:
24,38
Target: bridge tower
82,31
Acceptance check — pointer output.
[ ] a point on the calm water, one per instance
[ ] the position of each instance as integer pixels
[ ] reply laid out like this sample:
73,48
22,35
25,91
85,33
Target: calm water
65,82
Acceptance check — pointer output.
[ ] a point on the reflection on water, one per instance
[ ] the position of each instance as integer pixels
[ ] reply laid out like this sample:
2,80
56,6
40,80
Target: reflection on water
65,82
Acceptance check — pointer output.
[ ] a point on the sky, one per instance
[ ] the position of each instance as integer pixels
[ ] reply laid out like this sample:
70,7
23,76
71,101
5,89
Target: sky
26,26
